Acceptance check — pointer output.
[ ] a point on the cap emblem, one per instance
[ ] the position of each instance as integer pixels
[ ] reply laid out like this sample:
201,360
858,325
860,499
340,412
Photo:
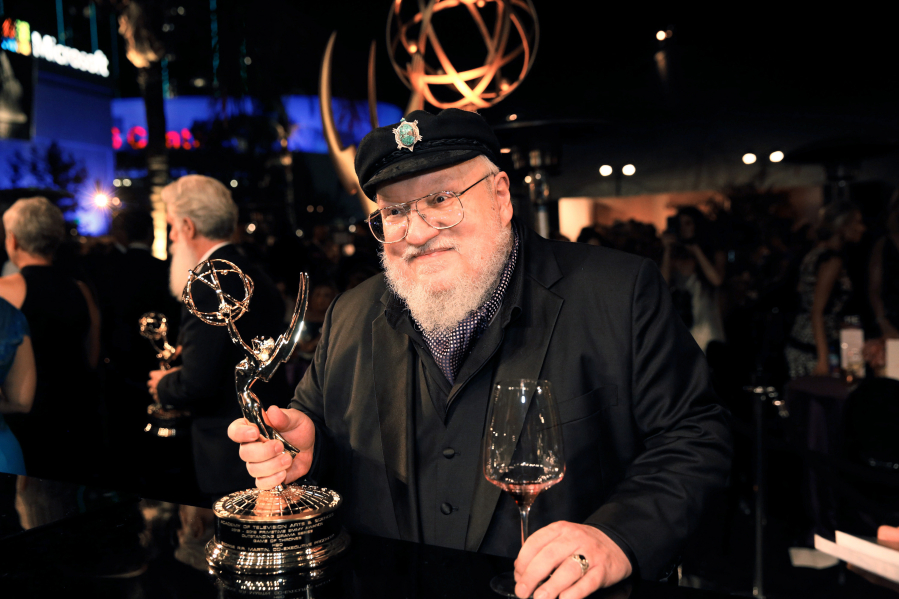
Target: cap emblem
406,134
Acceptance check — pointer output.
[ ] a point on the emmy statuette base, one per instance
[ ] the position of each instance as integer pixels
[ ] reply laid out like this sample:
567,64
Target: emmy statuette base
269,532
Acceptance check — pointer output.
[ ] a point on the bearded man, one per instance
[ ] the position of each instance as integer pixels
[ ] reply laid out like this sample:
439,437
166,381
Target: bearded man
392,411
203,217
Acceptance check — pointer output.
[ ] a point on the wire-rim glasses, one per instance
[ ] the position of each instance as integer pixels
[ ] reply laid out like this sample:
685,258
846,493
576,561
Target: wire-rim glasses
441,210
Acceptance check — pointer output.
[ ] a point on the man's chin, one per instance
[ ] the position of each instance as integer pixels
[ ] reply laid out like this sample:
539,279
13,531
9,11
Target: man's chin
434,265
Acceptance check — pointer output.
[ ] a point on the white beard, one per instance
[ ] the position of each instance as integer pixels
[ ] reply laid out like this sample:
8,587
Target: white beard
183,259
441,310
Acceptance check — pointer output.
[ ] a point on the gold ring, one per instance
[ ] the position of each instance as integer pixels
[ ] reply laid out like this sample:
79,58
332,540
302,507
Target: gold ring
581,561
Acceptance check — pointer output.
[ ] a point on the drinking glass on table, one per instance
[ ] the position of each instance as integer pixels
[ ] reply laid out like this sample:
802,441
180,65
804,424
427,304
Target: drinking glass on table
523,452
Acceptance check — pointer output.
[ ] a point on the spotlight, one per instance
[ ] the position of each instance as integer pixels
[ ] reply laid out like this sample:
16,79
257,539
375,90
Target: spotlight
661,35
101,200
605,170
749,158
117,182
628,169
776,156
251,228
233,182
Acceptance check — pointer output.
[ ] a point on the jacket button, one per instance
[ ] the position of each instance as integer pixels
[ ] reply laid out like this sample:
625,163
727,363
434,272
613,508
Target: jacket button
449,452
446,509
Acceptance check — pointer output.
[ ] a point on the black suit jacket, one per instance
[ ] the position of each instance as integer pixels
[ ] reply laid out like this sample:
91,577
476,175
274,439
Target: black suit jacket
645,441
205,382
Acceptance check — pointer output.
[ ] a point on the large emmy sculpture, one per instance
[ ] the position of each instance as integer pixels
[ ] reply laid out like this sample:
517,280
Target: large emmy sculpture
162,421
290,527
424,65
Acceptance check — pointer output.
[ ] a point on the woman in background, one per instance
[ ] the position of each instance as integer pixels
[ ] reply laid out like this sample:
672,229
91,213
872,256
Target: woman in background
694,271
18,379
824,288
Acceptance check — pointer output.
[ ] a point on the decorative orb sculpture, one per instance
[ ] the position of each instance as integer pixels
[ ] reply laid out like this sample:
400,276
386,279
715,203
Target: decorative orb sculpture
433,49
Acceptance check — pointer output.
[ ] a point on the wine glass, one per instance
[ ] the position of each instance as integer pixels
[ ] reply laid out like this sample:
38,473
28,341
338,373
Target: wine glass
523,452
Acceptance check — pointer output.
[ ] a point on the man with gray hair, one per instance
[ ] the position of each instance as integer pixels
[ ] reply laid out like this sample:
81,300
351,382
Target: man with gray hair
392,411
203,217
65,329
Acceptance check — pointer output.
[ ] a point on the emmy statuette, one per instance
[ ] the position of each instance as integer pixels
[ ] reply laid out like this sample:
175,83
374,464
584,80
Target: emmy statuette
162,421
290,527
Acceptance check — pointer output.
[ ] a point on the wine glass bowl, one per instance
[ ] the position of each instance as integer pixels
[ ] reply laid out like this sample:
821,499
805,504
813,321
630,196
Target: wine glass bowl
523,449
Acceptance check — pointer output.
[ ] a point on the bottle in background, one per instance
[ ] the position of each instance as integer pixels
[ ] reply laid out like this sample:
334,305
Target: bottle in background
852,340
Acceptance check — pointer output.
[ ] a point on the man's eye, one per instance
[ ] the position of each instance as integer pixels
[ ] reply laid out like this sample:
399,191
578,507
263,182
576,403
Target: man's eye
439,199
389,212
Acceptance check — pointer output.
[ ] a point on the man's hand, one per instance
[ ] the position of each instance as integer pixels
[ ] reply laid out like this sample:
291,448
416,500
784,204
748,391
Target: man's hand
549,550
153,382
266,459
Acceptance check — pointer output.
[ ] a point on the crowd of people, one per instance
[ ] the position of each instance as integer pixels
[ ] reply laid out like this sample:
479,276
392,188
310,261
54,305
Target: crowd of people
76,374
726,275
762,293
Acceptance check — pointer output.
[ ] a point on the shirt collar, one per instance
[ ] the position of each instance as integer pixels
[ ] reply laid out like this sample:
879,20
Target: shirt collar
212,250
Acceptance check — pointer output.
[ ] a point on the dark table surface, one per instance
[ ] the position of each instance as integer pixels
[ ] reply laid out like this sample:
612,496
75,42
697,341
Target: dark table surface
62,539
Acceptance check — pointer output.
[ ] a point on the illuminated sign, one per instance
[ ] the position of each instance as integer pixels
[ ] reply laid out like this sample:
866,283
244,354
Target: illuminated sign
129,119
46,47
17,37
136,138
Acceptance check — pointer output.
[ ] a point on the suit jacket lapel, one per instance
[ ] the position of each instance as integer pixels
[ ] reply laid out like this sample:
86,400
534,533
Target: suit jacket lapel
522,354
393,367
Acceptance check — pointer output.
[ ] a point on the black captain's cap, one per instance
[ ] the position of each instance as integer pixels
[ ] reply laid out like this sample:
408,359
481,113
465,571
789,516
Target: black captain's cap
420,142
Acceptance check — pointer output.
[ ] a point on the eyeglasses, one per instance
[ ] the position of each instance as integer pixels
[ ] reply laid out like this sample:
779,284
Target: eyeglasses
440,210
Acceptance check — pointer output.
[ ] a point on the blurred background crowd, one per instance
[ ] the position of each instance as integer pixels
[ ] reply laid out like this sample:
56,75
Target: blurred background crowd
754,161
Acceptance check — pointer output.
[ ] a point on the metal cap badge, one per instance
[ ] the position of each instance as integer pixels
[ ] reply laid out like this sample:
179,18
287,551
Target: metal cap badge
406,134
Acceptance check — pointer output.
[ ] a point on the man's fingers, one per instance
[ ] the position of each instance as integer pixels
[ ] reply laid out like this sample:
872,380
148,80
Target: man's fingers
566,577
241,432
262,451
534,544
279,419
269,482
550,557
269,467
278,469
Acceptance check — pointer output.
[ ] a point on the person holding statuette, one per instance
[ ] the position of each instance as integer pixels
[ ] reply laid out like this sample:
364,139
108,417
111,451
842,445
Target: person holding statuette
391,413
203,216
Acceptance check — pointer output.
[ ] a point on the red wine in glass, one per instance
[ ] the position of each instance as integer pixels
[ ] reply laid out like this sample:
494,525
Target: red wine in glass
523,452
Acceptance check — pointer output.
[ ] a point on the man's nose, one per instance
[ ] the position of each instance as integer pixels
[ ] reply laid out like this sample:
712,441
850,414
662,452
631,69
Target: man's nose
419,232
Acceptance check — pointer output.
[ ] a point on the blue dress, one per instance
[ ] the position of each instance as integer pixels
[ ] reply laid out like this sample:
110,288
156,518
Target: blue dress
13,330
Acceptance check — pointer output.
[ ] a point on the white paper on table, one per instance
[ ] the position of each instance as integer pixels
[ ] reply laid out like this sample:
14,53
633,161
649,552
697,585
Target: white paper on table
861,559
892,358
806,557
869,546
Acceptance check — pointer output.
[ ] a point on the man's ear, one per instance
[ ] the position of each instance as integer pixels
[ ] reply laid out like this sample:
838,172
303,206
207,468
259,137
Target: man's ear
12,243
190,229
503,196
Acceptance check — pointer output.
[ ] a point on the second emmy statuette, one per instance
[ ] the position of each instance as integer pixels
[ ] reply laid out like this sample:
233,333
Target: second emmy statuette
257,531
162,421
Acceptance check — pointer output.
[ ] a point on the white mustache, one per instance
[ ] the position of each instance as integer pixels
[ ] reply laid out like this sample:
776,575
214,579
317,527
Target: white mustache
431,246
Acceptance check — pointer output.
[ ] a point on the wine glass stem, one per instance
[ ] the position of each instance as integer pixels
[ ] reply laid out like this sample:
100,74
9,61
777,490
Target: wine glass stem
524,510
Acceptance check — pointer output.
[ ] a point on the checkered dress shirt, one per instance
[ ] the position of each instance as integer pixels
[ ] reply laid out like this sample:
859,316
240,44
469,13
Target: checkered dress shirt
450,349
